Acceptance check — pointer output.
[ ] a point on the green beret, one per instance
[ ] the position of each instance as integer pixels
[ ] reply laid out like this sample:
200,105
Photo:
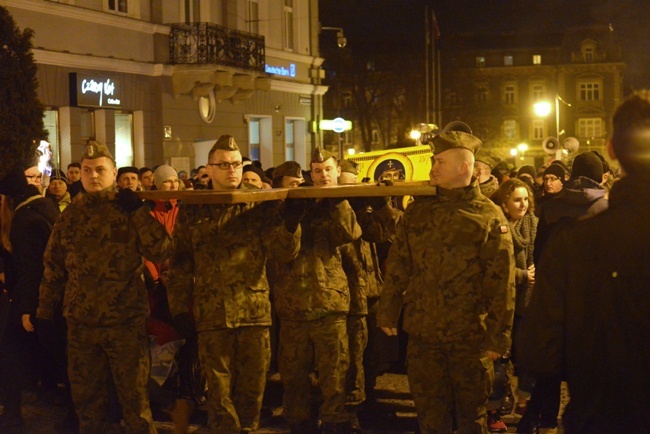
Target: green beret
455,140
349,166
95,149
487,157
288,168
320,155
225,143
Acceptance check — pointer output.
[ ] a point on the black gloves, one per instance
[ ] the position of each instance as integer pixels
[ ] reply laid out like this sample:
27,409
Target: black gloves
377,203
184,325
294,210
128,200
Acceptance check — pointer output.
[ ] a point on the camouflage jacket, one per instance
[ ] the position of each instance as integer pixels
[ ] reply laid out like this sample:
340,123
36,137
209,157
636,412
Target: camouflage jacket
357,277
93,261
218,269
314,285
452,268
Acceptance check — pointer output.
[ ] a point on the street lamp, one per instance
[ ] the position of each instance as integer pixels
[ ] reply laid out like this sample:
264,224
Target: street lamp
543,109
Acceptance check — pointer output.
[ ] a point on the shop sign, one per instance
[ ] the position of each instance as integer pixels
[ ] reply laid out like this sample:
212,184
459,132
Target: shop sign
95,91
281,70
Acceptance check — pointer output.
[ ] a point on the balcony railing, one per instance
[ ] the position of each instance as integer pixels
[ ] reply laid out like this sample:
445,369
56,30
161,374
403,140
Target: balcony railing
206,43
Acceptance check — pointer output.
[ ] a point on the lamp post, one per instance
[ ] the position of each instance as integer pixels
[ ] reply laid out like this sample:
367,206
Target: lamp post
543,109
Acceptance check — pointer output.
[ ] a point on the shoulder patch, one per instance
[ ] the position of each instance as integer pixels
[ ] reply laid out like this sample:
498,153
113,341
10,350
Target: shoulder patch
503,229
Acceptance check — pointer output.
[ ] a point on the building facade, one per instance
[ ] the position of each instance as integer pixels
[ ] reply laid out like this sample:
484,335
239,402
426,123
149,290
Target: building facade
159,80
495,83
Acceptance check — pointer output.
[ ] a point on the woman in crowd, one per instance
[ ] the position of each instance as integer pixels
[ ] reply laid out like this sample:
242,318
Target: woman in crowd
516,199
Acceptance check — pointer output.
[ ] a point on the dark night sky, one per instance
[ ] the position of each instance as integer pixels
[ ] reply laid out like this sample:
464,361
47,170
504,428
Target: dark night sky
377,23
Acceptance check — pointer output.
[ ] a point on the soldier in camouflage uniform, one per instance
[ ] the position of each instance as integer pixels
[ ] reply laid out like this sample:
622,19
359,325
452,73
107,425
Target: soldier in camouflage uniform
361,266
218,270
312,301
93,268
451,268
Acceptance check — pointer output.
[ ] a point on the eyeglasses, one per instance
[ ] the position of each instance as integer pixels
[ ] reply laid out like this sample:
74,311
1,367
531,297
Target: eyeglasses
225,166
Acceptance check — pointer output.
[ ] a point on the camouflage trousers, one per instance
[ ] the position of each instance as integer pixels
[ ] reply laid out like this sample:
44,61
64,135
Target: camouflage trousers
98,355
235,362
321,344
358,339
443,375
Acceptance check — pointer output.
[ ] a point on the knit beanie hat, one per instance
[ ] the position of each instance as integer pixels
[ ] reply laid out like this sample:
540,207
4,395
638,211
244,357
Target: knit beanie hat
163,172
528,170
588,165
57,174
557,170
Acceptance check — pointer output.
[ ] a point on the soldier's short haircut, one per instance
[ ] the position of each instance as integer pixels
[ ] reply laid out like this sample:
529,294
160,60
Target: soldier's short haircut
631,137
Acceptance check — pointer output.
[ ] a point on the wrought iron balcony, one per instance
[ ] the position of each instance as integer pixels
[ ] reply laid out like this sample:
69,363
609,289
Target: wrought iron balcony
207,43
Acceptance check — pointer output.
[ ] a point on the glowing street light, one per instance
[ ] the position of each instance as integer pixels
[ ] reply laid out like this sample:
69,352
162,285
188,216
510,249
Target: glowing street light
542,108
415,134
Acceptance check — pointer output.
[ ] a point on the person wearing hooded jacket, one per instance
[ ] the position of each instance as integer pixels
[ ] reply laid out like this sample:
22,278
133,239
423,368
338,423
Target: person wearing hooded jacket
29,231
580,198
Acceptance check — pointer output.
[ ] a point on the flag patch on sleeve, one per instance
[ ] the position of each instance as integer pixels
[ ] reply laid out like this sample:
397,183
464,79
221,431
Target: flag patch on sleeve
503,229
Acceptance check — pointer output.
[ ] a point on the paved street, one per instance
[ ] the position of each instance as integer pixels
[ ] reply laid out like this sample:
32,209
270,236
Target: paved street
395,413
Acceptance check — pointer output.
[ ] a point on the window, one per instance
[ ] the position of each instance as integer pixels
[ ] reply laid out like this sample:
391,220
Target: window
537,92
510,129
480,61
589,54
375,135
482,94
123,139
119,6
507,61
588,50
51,123
191,11
346,99
539,129
537,59
254,139
590,91
289,147
510,93
253,15
590,127
288,24
87,125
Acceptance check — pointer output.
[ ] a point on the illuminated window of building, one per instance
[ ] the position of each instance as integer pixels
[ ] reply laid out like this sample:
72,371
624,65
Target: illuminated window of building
510,93
51,124
510,129
507,61
288,24
480,61
537,59
589,90
590,127
539,129
123,139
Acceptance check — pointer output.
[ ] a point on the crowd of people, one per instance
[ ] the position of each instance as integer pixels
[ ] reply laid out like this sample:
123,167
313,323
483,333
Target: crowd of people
108,301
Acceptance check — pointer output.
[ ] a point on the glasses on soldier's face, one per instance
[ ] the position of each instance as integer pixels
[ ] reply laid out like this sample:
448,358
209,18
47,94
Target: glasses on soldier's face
225,166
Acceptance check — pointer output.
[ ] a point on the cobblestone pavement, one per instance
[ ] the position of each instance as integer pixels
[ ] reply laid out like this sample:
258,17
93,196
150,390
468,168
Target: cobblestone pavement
394,413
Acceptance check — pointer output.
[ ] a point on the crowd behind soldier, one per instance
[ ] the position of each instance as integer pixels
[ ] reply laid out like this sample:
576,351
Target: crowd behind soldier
322,302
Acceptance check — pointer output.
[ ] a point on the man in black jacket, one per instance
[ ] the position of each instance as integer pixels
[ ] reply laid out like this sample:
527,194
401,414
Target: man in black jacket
588,320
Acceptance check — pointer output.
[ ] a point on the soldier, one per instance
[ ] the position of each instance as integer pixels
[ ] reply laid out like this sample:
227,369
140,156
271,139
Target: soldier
451,267
312,301
89,269
218,270
287,175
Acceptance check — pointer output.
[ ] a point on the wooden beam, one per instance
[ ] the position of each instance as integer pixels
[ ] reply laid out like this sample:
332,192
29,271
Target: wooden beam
259,195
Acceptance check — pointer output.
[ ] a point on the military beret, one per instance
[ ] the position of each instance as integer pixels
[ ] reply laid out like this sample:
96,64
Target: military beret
487,157
225,143
319,155
95,149
288,168
455,140
126,169
349,166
